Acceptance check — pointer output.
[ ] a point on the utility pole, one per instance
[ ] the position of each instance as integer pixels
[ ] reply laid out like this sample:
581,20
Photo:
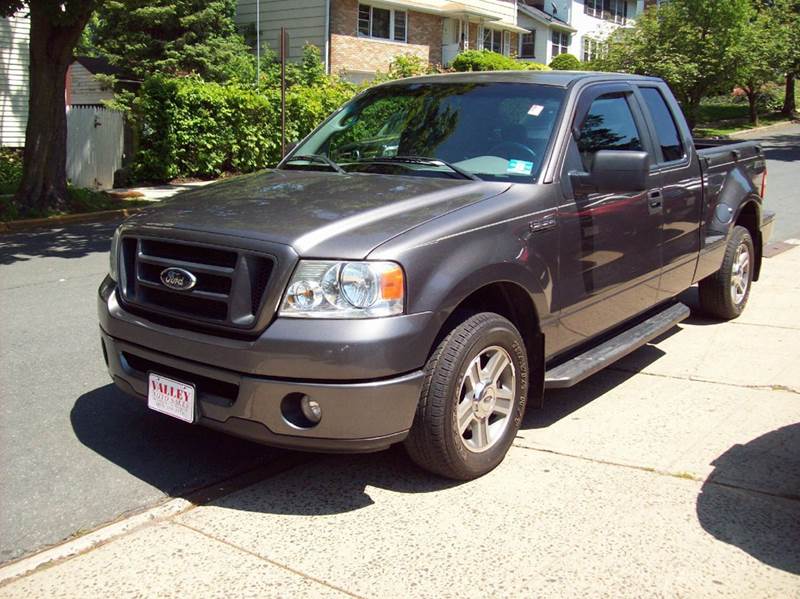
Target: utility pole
284,52
258,41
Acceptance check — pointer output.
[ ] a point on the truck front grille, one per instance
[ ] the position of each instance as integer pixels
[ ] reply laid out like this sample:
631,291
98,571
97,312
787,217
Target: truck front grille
229,288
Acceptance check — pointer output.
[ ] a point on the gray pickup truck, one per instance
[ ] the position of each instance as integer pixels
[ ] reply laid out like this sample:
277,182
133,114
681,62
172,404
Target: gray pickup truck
429,261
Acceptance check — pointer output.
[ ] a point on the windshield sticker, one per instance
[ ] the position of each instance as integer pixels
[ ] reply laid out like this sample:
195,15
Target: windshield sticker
519,167
536,110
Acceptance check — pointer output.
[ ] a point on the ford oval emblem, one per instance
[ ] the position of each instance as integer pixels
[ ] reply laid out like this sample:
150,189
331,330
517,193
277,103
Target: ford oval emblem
178,279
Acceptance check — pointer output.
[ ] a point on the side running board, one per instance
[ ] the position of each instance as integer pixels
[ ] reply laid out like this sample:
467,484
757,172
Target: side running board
588,363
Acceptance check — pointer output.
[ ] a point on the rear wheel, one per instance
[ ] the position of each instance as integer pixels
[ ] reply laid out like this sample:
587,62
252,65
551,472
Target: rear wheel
725,293
473,399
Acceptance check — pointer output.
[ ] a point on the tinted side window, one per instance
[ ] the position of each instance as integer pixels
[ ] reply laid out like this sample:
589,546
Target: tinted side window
667,131
608,125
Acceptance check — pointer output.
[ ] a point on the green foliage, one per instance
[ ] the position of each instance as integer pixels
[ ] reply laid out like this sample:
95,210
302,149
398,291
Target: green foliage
485,60
193,128
565,62
763,51
536,66
692,44
409,65
176,37
10,170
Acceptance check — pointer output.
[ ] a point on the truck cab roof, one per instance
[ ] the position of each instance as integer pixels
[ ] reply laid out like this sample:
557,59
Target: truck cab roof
562,79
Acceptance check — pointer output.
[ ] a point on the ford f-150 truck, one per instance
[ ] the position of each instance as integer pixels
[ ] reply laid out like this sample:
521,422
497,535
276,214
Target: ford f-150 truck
426,281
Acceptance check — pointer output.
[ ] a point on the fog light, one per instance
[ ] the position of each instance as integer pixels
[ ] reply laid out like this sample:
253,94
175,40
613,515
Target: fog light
311,409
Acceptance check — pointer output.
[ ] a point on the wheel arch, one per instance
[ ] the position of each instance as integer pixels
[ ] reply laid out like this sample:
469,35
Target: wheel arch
509,298
749,217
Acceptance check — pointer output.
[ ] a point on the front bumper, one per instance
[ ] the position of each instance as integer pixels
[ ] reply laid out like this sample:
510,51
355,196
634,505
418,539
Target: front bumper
368,415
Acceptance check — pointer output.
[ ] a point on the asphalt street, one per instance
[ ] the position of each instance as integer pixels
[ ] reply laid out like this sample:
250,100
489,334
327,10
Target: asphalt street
74,452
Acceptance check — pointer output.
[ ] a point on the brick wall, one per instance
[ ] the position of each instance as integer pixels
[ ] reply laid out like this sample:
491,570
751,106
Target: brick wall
349,52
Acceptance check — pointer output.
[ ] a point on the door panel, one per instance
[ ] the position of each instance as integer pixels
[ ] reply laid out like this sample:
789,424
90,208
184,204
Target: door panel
681,190
610,251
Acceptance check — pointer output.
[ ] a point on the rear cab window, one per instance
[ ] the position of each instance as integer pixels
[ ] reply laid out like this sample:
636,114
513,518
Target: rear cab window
667,134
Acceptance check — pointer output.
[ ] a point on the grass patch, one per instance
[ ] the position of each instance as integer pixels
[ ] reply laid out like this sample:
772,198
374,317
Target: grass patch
720,120
79,201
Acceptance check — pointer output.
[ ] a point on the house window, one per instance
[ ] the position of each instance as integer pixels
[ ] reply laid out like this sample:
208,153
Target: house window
527,45
382,23
593,8
592,49
618,11
610,10
561,41
493,40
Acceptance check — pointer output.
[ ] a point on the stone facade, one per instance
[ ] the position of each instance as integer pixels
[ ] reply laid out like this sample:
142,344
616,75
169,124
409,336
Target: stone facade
351,53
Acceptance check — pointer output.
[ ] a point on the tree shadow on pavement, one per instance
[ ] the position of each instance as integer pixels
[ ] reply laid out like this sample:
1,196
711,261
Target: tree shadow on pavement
752,498
73,241
784,148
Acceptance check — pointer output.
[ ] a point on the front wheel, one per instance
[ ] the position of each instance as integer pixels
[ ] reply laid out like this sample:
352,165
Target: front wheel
725,293
473,399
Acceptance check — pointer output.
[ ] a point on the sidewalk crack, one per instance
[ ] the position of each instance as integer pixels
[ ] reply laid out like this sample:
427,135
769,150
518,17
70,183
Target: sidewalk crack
697,379
270,561
680,475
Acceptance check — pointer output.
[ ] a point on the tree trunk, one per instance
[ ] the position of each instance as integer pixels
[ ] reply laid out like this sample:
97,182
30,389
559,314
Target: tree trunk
789,104
44,178
752,99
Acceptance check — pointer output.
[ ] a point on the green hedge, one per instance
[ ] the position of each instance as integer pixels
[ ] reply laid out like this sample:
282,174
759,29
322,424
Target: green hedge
565,62
10,170
193,128
485,60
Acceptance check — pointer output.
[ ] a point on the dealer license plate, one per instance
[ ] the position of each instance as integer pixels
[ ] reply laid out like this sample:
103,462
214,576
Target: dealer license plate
170,397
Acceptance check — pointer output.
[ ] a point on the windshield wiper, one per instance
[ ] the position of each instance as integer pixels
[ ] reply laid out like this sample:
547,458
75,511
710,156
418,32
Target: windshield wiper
425,160
319,158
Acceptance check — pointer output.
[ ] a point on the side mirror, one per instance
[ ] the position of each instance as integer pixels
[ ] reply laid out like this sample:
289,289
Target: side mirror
613,171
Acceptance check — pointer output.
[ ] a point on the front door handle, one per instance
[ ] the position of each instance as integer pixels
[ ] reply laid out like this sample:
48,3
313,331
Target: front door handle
655,200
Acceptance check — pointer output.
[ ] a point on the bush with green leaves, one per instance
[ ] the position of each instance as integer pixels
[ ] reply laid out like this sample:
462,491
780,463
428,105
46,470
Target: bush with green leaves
536,66
10,170
485,60
194,128
565,62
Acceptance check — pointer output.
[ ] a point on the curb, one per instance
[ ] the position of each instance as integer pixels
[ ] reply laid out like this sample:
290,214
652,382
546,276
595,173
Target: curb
17,226
747,132
101,536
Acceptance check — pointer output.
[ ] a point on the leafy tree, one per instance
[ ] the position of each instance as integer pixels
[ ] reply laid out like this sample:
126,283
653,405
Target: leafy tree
174,37
762,51
692,44
565,62
56,27
790,19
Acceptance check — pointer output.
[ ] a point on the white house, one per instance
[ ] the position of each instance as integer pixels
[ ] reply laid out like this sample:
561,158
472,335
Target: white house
574,26
14,79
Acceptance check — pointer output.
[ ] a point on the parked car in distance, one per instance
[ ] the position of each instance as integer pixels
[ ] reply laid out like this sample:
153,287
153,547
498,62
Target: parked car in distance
425,283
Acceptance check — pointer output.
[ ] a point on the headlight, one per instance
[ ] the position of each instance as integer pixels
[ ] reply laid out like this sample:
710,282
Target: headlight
327,289
113,256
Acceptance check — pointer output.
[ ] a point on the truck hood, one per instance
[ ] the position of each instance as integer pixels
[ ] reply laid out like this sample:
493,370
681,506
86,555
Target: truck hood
319,214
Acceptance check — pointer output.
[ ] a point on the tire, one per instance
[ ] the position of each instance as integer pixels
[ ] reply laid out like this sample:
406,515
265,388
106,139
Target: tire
724,294
490,406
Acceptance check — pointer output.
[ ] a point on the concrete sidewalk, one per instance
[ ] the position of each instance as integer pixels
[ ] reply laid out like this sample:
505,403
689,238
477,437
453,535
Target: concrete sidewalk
674,473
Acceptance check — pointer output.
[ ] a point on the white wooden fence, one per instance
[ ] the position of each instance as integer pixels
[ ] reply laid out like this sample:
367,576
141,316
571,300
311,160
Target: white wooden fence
95,138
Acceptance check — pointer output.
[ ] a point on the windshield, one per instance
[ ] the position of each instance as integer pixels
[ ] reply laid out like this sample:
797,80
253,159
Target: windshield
496,131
